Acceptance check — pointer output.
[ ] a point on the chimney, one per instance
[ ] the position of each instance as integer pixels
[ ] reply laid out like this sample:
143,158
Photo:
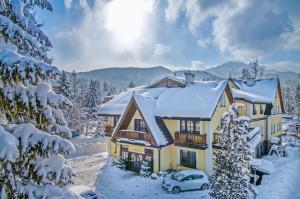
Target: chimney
189,77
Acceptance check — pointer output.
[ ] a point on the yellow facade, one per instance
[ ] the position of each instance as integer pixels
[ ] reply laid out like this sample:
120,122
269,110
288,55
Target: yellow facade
167,157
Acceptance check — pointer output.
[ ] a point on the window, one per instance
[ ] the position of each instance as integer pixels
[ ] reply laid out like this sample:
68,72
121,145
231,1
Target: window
148,154
116,119
197,176
187,178
223,101
261,108
189,126
124,152
188,158
139,125
254,109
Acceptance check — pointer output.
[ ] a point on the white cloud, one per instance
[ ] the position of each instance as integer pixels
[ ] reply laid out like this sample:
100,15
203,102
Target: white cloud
243,38
110,33
68,3
202,43
198,65
243,29
173,10
161,50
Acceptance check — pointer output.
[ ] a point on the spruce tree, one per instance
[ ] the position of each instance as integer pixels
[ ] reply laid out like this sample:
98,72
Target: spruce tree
91,100
31,121
63,85
230,177
297,100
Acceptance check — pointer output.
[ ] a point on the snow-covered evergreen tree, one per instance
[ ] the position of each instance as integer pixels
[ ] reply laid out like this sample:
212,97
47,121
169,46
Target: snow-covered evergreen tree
297,100
74,85
63,85
91,100
31,152
146,169
230,177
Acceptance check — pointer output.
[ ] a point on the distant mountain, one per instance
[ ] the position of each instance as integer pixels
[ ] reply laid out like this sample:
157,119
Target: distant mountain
227,69
121,77
283,76
234,69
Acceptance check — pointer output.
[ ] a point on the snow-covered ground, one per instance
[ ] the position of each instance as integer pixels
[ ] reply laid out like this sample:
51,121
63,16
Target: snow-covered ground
284,182
86,168
89,157
114,183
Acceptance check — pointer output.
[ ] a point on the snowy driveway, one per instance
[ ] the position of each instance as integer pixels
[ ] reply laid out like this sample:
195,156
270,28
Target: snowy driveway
113,183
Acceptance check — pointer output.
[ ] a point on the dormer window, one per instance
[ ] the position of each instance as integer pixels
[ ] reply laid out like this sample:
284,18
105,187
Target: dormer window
139,125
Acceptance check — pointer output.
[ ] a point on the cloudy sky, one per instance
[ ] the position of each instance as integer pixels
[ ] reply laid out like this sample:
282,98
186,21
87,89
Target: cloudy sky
195,34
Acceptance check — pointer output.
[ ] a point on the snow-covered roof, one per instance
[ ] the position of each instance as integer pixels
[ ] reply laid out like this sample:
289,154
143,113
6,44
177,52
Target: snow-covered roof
262,90
147,107
262,165
117,105
179,80
197,100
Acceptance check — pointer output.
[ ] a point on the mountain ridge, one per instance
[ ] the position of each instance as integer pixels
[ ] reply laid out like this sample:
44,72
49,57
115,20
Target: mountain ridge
120,77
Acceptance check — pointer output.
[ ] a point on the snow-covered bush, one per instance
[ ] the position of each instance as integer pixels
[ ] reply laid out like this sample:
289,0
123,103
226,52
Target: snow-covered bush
146,169
121,163
230,177
31,121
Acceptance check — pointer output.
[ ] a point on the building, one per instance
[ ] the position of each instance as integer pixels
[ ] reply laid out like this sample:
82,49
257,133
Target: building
174,122
264,106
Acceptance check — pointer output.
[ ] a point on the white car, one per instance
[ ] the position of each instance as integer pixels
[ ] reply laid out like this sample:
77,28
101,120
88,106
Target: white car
85,192
186,180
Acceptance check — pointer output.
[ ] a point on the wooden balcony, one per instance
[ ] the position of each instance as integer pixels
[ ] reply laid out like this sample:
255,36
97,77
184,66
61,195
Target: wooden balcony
192,140
135,137
108,130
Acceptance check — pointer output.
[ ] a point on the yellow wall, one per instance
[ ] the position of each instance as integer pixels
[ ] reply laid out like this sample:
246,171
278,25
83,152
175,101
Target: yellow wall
215,120
262,125
136,115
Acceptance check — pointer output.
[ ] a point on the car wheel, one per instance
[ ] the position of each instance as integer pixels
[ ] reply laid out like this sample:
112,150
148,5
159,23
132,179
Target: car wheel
176,190
204,186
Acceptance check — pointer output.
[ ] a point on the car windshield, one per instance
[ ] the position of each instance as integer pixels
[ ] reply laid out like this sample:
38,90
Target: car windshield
178,176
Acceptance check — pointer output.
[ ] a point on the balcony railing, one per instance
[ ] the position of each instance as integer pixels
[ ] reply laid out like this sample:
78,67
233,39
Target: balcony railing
108,130
135,137
190,139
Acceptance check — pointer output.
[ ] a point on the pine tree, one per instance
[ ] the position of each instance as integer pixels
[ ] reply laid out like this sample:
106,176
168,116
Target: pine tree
91,100
31,152
230,177
297,100
74,85
63,85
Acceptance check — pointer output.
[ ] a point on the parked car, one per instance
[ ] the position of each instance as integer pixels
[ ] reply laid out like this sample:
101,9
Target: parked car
186,180
85,192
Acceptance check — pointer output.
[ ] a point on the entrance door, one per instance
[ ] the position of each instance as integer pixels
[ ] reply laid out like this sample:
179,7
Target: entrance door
135,161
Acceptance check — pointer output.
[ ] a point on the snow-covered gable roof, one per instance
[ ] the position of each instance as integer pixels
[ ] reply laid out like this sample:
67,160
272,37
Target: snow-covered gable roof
178,81
197,100
147,107
263,90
